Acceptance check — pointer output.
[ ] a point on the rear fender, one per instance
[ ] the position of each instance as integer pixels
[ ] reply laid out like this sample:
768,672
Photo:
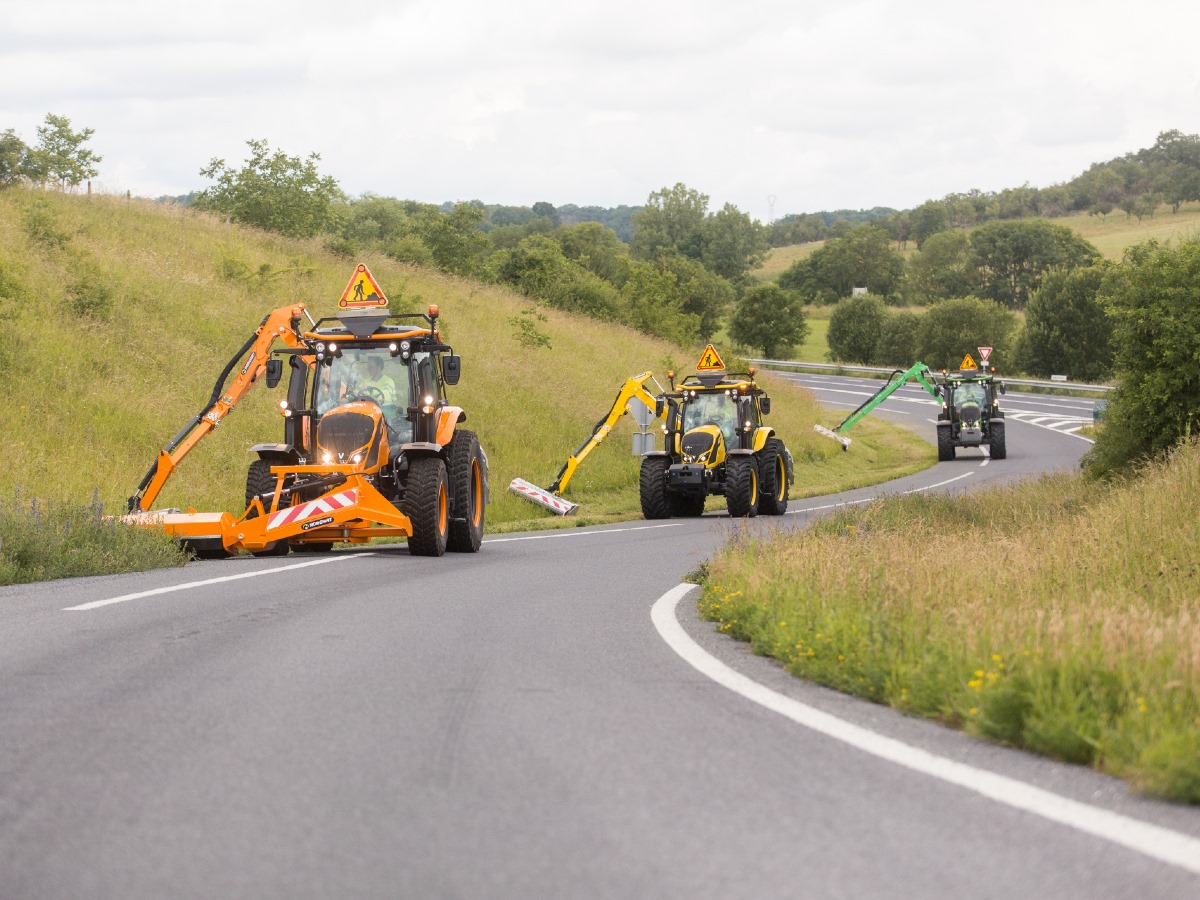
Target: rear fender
277,454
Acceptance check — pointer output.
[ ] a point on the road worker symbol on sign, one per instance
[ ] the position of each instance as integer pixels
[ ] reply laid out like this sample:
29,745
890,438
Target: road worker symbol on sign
968,363
363,292
710,360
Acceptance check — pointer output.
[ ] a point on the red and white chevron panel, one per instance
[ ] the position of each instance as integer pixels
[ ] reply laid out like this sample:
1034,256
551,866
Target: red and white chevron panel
322,506
541,497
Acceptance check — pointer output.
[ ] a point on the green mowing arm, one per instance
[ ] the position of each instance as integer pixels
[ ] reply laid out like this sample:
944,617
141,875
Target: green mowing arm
919,372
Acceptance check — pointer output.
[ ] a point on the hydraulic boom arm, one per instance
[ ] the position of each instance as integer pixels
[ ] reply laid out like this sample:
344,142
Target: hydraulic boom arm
280,324
633,388
919,372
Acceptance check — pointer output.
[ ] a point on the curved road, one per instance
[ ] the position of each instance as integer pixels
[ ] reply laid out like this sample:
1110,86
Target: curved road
513,724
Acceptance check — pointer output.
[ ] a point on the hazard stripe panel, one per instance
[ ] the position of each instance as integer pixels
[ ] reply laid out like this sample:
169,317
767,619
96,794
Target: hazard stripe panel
322,506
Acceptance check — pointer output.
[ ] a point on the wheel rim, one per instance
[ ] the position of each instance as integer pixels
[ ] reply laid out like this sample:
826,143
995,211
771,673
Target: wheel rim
443,512
780,479
476,494
753,486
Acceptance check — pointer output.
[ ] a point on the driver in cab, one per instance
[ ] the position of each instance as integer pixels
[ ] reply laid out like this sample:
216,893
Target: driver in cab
376,384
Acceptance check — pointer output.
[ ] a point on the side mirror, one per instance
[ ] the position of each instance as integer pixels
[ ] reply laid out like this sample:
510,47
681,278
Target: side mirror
274,371
659,405
1002,390
765,405
451,368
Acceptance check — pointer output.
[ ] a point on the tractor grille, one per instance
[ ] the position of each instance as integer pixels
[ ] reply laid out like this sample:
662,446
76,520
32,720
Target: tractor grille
345,432
696,442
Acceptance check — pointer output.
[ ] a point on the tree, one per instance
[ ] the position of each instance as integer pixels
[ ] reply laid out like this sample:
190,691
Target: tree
273,191
953,328
855,327
706,295
733,243
1014,256
899,340
60,155
672,219
863,258
14,156
544,210
594,246
1067,329
769,318
944,267
927,219
1154,300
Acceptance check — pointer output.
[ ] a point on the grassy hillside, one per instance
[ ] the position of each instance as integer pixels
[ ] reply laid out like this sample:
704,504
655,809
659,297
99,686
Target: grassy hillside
119,315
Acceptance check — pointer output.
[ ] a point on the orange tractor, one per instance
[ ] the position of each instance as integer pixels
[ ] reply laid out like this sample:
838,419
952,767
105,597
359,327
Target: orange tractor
371,448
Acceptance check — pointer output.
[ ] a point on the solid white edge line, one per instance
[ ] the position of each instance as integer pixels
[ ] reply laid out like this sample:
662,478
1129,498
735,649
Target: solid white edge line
566,534
170,589
1153,841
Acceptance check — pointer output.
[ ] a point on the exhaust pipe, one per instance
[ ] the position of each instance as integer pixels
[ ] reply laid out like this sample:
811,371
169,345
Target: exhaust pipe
542,497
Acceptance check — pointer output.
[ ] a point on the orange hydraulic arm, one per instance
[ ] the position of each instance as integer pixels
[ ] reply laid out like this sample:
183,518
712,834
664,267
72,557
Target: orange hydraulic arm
280,324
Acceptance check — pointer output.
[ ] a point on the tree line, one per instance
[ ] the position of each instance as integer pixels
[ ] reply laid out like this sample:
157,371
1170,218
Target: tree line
685,270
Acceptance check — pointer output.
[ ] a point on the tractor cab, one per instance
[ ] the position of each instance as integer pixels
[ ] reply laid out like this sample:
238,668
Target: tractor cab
970,415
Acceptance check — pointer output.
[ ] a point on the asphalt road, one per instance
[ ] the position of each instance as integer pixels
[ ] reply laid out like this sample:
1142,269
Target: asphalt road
510,724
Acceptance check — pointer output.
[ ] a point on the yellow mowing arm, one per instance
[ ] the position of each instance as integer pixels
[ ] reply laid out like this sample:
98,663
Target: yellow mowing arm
280,324
633,388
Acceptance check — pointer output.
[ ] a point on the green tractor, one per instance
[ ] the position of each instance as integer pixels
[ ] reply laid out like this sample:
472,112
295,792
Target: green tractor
715,442
970,415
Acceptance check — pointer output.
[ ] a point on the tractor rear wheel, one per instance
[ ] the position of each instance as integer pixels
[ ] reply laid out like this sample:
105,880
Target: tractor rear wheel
467,472
996,446
426,502
741,487
945,445
773,475
259,481
652,487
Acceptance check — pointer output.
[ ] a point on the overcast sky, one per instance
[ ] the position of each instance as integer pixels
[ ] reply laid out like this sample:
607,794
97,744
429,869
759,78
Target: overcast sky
826,105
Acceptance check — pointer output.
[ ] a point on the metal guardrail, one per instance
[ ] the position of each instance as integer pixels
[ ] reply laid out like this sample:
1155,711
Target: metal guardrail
876,370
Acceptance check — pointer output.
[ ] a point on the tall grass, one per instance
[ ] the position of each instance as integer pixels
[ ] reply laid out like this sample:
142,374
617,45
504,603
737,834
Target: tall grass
1060,615
40,540
120,314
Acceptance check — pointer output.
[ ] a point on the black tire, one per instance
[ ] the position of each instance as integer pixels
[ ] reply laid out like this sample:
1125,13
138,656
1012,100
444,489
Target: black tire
652,487
997,448
467,473
259,481
426,503
945,445
773,478
741,487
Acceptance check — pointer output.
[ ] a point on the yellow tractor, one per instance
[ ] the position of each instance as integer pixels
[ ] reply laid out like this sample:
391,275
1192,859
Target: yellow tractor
715,442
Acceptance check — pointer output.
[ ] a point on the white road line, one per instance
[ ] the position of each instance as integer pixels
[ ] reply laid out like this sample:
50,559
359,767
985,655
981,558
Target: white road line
170,589
567,534
928,487
1153,841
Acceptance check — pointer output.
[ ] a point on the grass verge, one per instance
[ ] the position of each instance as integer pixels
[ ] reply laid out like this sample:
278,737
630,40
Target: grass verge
41,540
1058,615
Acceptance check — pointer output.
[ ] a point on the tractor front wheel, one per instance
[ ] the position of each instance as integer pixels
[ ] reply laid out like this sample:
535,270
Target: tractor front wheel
652,487
996,446
741,487
945,445
259,481
772,469
467,472
426,503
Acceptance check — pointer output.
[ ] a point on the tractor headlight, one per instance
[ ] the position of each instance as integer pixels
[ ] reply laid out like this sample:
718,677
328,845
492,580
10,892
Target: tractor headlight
327,458
356,458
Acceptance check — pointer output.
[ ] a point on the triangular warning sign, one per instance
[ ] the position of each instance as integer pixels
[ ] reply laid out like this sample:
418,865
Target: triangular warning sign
968,363
710,360
984,353
363,291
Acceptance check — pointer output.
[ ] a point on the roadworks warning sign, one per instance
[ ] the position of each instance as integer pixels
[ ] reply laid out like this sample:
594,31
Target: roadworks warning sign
363,291
710,360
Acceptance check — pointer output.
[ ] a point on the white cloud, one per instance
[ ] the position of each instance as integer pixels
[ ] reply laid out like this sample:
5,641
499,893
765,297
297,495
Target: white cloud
822,105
